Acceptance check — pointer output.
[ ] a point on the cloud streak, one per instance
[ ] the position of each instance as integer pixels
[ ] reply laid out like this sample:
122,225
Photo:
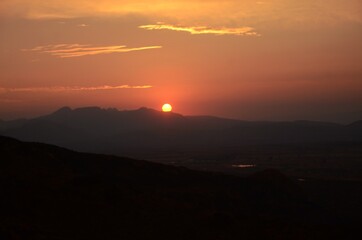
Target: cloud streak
249,12
241,31
76,88
80,50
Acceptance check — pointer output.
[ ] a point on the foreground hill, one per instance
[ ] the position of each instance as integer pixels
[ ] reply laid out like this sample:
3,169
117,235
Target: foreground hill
149,131
53,193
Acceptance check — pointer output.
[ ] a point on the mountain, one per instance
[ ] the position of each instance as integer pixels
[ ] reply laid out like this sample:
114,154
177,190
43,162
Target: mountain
147,130
50,192
4,125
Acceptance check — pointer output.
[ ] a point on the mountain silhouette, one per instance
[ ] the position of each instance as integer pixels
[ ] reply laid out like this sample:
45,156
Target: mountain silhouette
50,192
126,132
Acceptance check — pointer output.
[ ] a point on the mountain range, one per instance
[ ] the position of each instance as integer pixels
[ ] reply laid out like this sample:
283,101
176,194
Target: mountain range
94,129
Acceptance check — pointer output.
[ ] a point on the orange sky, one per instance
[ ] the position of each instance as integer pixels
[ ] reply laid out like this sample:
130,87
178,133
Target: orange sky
253,60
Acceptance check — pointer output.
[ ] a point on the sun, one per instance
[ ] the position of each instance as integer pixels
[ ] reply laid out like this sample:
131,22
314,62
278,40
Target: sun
166,107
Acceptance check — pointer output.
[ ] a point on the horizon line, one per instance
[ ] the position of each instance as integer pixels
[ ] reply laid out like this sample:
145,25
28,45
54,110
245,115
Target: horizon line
184,115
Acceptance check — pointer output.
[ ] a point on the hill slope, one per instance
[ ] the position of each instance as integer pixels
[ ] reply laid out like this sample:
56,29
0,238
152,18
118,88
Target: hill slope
53,193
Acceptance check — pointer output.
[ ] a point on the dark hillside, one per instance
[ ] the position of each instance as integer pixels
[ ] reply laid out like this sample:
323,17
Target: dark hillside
53,193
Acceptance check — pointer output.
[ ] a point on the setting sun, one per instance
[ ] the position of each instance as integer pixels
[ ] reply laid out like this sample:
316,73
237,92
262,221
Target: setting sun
166,107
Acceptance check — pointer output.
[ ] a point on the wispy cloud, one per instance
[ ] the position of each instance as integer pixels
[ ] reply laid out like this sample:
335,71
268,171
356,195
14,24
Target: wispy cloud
80,50
76,88
249,12
241,31
82,25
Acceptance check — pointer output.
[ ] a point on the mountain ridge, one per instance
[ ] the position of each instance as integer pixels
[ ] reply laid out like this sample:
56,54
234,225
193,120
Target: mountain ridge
118,132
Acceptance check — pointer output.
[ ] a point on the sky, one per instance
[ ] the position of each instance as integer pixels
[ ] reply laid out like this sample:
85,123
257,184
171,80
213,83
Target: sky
270,60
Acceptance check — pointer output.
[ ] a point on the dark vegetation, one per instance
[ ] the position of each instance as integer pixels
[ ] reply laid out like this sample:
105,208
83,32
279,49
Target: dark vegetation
49,192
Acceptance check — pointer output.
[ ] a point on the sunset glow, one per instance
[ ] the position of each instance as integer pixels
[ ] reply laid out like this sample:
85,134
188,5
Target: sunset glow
252,60
181,119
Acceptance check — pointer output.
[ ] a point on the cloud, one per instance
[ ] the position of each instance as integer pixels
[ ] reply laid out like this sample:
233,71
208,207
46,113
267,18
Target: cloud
80,50
76,88
242,31
246,12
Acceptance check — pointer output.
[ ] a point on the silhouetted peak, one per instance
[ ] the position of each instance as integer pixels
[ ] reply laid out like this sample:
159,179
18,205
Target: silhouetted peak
88,109
142,111
63,110
146,109
150,113
145,112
